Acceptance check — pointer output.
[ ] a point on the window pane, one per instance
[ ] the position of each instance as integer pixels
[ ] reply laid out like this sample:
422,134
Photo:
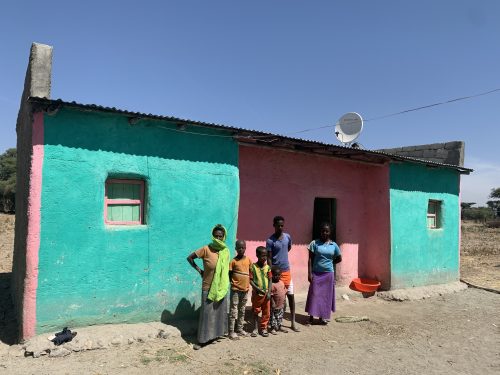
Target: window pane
127,213
123,212
431,209
124,191
431,221
136,213
115,213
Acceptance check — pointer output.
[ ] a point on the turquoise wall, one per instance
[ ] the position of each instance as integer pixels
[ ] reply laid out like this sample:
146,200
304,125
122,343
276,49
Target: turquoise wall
90,273
422,256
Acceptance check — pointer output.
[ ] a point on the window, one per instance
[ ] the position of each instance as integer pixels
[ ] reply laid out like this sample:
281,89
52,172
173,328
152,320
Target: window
124,202
434,214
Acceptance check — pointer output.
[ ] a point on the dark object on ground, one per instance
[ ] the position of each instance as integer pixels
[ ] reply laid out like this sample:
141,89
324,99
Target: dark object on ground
480,287
64,336
493,223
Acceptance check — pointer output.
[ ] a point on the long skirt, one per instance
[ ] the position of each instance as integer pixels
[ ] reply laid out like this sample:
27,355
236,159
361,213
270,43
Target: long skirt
321,295
213,318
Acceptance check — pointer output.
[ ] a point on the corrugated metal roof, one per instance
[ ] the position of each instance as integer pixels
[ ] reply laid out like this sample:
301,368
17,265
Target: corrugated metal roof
259,137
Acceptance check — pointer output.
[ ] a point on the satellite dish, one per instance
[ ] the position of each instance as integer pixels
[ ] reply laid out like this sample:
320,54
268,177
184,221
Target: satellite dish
348,128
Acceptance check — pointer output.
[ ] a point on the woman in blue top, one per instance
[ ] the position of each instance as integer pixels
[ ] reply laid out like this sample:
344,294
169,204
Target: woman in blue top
323,254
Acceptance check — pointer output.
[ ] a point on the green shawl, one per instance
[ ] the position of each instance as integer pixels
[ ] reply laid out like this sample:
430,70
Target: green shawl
220,282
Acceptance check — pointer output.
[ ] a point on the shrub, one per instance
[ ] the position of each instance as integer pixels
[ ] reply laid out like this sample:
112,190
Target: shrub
477,214
8,180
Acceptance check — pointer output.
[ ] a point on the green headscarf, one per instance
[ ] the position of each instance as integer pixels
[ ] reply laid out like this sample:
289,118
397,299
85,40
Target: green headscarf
220,282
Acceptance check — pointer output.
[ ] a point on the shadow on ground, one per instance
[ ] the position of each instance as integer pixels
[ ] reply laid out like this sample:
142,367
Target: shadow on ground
299,318
184,318
8,325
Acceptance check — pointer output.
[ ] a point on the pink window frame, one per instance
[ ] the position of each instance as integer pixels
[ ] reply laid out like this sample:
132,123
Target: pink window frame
108,201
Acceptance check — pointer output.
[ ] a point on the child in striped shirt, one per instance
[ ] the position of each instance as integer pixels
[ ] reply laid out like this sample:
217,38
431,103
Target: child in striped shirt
260,279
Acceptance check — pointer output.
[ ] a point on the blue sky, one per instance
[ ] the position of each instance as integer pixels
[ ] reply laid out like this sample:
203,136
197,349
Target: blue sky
278,66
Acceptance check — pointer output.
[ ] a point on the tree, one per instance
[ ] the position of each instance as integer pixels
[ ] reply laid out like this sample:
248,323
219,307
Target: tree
8,180
495,193
477,214
495,203
467,204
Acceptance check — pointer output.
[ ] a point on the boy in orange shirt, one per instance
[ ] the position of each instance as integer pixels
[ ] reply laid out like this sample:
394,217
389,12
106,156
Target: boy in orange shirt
239,272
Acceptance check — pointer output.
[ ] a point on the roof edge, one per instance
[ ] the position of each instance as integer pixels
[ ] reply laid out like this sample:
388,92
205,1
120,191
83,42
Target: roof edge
254,136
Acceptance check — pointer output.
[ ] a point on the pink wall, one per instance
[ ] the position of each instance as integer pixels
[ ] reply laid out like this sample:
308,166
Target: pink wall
33,236
276,182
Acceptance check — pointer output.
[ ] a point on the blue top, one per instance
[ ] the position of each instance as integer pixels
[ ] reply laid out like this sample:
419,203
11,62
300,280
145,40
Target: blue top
279,249
324,252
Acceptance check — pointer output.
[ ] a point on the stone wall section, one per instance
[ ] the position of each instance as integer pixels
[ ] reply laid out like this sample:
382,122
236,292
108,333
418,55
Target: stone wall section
446,153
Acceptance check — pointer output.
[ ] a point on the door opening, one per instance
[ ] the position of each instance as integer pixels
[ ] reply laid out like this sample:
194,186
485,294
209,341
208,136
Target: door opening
324,211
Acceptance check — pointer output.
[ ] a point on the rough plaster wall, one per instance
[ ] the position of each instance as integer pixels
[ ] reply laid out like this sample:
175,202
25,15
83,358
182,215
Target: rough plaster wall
90,273
447,153
276,182
37,83
422,256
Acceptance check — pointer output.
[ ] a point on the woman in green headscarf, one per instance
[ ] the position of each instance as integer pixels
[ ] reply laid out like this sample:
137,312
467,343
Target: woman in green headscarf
214,288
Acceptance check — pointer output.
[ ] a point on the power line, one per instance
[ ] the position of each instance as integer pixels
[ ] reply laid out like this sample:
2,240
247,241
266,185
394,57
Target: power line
331,126
408,110
434,105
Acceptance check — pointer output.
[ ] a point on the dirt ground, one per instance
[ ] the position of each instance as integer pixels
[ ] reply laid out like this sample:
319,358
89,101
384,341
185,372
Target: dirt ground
454,333
480,255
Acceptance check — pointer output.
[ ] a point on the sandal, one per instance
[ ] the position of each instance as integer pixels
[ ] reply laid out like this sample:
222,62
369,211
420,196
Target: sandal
273,332
323,322
264,333
242,333
283,330
253,334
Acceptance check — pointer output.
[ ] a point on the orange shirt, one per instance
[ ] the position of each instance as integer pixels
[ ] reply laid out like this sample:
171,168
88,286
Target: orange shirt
210,259
240,279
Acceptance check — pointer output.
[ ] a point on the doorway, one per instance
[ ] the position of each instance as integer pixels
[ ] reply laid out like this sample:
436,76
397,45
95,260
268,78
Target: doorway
324,210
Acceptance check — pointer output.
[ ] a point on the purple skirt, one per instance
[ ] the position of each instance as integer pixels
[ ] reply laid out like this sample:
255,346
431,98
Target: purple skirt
321,295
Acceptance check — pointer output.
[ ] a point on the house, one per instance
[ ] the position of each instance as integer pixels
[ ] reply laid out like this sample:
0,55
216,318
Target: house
110,203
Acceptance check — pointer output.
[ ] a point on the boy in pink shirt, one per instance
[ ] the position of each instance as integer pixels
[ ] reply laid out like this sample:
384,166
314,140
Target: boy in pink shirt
278,295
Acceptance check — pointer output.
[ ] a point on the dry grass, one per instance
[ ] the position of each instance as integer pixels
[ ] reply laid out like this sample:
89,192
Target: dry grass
6,242
480,255
479,240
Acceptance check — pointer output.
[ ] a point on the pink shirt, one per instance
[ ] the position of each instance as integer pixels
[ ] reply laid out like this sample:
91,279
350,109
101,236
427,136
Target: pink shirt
278,294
